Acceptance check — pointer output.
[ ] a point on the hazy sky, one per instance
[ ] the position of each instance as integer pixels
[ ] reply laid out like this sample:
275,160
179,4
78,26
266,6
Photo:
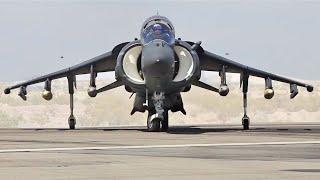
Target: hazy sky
278,36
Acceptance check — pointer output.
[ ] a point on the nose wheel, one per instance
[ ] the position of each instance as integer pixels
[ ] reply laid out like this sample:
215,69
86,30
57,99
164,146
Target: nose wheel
156,123
153,123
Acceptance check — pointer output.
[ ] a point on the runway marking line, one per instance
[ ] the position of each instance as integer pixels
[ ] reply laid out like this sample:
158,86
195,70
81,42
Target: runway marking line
156,146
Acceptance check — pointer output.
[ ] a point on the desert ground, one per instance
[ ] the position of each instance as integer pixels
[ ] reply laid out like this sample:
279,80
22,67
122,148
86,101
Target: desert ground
112,108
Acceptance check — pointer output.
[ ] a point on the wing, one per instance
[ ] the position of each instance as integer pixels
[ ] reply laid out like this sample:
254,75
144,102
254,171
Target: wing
103,63
212,62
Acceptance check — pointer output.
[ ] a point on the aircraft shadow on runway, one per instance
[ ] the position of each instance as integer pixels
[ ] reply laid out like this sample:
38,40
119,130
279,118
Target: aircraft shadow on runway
172,130
197,129
303,170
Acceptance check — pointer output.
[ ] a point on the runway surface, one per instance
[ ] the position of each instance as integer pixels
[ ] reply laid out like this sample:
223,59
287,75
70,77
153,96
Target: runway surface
189,152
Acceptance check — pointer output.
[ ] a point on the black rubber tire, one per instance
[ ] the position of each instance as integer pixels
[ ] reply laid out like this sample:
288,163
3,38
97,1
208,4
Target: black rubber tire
165,122
72,123
246,123
153,125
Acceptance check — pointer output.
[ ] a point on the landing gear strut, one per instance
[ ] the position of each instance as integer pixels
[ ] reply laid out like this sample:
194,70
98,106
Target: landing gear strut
158,117
245,119
72,119
165,122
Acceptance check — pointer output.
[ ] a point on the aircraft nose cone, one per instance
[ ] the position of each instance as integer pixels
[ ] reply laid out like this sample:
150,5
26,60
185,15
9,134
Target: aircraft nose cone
157,64
157,59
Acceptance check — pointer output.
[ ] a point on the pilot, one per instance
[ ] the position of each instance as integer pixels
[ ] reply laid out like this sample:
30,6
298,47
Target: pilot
157,29
161,32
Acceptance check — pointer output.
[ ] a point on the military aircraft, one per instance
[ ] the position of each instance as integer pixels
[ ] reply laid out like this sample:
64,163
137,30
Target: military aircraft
157,68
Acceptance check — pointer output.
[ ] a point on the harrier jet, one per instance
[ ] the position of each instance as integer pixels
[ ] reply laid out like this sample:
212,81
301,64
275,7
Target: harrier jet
158,68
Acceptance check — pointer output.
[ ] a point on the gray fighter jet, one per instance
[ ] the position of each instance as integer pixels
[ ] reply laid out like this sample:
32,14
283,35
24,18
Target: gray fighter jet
157,68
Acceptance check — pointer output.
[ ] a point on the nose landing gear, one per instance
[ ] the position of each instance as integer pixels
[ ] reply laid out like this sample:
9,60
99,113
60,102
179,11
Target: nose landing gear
158,117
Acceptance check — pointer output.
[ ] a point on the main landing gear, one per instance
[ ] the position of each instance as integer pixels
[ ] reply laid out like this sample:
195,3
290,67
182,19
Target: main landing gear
165,122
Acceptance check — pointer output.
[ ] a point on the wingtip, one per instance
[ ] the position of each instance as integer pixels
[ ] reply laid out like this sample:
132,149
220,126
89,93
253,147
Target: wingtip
309,88
7,91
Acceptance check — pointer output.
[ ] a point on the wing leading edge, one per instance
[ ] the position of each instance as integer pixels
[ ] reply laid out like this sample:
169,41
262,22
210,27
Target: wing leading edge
213,62
103,63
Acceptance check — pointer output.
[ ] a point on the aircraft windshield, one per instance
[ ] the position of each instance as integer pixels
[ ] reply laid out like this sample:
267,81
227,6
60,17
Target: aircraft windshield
158,31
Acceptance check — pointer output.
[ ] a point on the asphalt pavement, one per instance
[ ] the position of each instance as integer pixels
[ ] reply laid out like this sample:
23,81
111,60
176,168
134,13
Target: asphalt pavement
274,151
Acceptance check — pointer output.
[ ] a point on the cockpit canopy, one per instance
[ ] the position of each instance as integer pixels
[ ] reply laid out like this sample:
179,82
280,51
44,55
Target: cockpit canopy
158,29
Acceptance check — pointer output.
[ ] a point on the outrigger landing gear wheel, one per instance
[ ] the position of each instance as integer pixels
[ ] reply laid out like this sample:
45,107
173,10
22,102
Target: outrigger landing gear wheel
245,122
153,123
72,122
